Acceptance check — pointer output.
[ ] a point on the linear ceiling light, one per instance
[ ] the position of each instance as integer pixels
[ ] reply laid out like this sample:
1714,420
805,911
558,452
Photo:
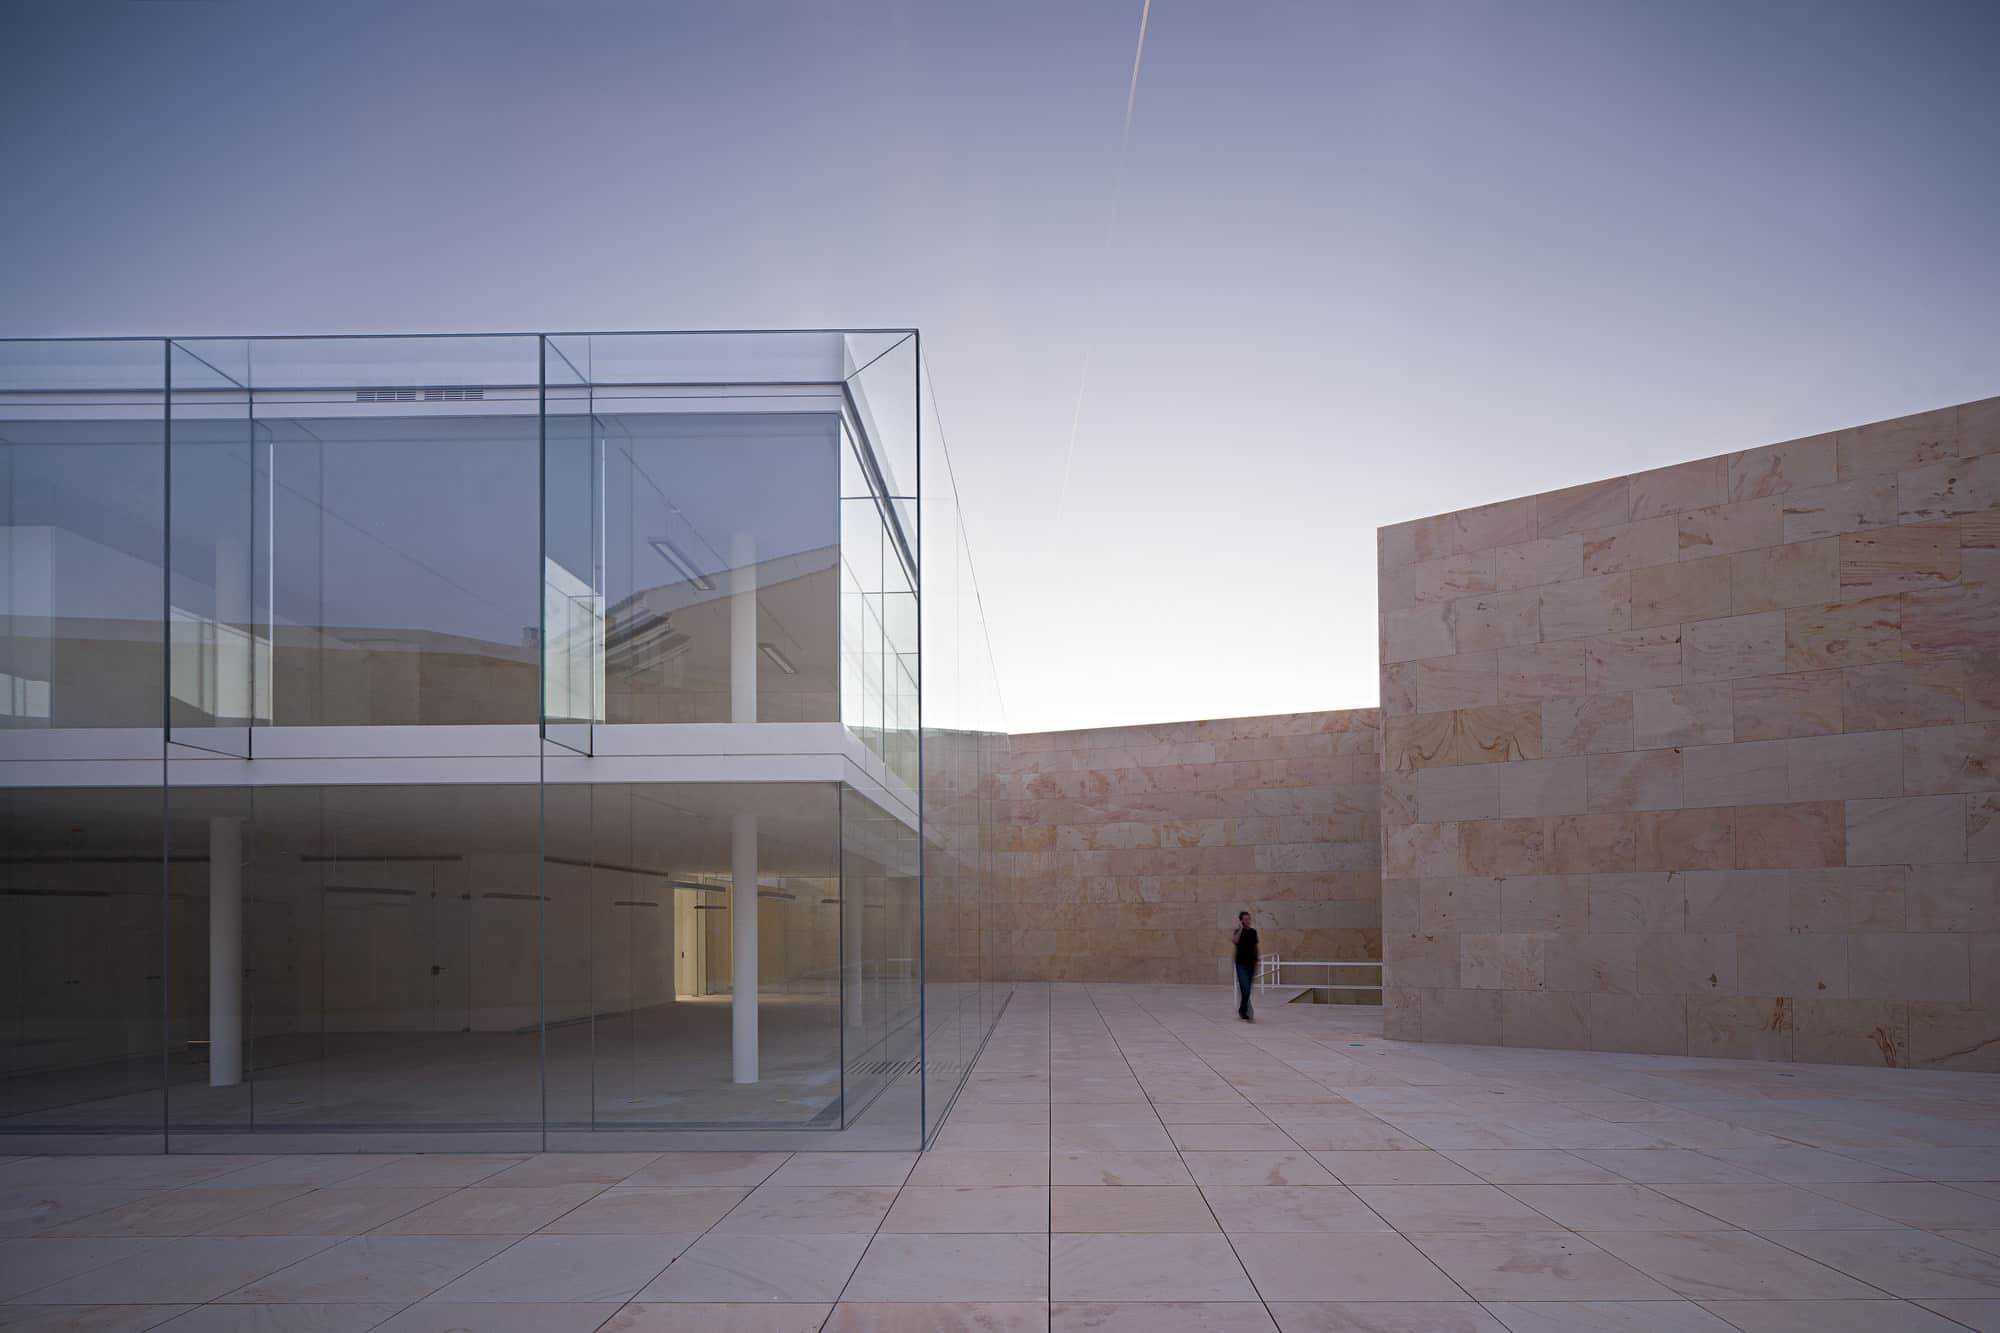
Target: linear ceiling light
778,659
674,556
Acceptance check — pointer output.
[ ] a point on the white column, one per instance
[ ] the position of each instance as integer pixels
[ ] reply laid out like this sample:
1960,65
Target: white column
225,952
743,949
743,872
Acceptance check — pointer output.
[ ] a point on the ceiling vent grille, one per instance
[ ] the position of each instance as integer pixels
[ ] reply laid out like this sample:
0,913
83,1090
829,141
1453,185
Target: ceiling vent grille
441,393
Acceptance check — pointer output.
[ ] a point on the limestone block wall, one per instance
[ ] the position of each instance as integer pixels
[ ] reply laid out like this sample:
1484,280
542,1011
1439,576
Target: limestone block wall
1705,760
1134,847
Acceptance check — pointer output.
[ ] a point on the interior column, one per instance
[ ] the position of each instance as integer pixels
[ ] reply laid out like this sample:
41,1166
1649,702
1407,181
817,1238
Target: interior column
743,949
743,826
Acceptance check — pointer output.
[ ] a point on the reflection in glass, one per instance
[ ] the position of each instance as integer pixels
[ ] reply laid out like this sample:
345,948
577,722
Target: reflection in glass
218,660
397,597
880,870
641,983
80,948
722,541
390,941
82,527
395,484
572,628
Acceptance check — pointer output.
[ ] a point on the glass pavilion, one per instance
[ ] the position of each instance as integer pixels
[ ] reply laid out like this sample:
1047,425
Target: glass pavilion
488,741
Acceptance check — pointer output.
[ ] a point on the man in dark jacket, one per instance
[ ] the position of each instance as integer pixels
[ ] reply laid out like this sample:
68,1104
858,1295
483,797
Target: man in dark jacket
1246,965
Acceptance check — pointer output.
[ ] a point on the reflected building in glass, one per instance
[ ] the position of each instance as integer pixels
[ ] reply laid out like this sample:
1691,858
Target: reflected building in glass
497,741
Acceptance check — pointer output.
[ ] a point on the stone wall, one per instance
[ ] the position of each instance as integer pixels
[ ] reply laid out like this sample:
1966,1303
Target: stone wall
1135,847
1705,759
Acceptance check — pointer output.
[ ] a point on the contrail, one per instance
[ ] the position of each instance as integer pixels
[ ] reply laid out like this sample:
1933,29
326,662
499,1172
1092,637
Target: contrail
1110,225
1132,93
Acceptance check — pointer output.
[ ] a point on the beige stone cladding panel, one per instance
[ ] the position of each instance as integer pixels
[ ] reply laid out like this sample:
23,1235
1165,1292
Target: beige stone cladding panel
1777,578
1583,608
1701,484
1595,504
1461,680
1802,703
1893,695
1541,671
1724,529
1624,547
1896,446
1895,560
1532,563
1634,660
1674,594
1849,506
1757,814
1734,646
1958,621
1782,469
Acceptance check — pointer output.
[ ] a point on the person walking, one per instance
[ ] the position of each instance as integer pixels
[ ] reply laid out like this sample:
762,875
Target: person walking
1245,939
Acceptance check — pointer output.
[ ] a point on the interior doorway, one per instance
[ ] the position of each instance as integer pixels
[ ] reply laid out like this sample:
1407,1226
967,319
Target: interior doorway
701,925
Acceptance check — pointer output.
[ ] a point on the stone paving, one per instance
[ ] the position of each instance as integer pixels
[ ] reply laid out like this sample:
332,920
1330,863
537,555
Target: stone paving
1122,1158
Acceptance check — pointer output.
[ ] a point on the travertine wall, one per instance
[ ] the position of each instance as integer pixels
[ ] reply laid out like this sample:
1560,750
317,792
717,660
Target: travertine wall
1135,847
1705,759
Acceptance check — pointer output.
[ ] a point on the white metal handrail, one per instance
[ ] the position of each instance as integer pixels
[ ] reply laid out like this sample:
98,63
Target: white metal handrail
1271,970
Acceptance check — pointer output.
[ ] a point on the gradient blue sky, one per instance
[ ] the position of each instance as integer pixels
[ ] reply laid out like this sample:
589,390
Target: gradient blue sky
1370,261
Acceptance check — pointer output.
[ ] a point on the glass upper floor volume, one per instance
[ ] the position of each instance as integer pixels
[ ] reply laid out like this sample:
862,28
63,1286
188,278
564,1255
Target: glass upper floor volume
561,530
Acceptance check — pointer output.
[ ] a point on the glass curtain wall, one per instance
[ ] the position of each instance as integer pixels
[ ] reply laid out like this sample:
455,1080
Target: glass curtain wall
457,739
641,986
963,735
82,673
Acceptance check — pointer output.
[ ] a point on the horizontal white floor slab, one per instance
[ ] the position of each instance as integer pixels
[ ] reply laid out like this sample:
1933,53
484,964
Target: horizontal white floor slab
424,755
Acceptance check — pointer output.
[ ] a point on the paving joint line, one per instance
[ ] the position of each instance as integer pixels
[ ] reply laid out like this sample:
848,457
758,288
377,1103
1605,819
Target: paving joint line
1307,1151
1180,1156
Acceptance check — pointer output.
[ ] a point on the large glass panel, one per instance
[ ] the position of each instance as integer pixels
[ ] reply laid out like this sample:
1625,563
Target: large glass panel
722,542
389,940
80,963
863,554
218,663
879,877
879,552
901,959
404,494
82,499
900,672
883,391
230,964
962,731
643,989
862,1011
719,363
947,791
82,689
572,552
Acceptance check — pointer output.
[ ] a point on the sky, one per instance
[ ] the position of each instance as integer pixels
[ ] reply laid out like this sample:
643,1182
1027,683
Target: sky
1353,264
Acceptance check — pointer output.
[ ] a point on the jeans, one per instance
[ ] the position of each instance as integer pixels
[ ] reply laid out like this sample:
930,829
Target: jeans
1244,971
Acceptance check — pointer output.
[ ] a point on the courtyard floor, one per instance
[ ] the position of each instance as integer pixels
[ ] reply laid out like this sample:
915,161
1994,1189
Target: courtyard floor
1122,1158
